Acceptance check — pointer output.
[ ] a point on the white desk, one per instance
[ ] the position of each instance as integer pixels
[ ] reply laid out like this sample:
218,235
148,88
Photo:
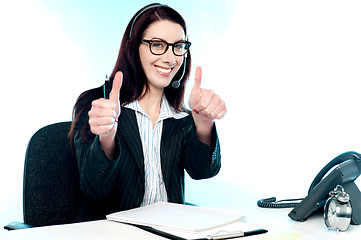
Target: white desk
275,221
102,230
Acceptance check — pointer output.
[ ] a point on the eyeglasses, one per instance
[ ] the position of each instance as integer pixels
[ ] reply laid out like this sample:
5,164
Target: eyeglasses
159,47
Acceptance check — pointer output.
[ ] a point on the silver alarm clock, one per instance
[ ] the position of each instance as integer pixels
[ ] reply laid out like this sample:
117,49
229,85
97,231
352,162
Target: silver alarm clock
338,211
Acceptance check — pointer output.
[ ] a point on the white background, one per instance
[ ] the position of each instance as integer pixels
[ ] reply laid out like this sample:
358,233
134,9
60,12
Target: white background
288,70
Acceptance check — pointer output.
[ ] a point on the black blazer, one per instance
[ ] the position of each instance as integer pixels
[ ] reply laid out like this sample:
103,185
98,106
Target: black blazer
115,185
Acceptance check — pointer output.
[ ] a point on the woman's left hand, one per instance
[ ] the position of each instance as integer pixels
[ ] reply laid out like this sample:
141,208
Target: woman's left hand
206,106
206,103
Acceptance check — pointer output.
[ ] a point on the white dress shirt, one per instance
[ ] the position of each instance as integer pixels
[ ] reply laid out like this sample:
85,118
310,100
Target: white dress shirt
151,137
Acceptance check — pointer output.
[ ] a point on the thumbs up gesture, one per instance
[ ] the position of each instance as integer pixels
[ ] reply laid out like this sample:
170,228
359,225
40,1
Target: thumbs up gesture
205,103
104,114
206,106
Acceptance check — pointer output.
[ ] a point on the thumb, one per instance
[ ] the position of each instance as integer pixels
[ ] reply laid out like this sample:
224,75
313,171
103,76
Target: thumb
117,84
198,79
196,95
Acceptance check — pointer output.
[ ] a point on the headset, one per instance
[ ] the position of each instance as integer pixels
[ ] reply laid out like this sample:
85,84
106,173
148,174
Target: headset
175,84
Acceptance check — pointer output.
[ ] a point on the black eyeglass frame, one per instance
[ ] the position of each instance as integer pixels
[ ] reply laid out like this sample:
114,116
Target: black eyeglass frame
150,42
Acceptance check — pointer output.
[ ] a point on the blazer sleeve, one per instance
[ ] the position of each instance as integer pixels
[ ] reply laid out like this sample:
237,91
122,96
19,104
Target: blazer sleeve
201,160
97,172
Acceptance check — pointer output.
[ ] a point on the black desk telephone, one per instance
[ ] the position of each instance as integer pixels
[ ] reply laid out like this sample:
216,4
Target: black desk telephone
342,170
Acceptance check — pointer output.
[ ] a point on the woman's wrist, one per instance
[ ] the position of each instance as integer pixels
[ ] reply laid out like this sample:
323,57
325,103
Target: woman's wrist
107,144
204,128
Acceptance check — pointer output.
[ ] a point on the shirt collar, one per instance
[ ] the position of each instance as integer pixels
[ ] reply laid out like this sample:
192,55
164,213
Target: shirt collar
166,110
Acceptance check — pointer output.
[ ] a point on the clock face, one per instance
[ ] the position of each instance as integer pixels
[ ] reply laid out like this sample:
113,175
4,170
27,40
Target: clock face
331,213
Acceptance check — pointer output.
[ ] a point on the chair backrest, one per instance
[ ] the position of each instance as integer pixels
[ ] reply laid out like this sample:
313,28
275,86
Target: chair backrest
51,188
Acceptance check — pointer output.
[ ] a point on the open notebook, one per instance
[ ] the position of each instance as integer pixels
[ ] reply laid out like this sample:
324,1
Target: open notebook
178,219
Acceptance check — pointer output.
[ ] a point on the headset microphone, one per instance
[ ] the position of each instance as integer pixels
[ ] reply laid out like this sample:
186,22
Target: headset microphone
176,84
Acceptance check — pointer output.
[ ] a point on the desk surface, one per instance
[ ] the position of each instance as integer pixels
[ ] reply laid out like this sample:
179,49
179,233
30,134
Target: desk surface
102,229
276,221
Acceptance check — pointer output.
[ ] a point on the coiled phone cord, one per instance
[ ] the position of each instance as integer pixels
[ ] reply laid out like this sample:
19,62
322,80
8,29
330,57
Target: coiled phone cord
273,203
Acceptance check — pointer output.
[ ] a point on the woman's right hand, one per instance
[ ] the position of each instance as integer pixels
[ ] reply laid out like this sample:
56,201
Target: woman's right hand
104,114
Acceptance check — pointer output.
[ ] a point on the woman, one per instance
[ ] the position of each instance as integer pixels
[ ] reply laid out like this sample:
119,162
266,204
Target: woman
133,148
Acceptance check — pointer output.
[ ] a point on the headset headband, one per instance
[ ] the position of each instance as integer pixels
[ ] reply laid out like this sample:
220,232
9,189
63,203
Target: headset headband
141,12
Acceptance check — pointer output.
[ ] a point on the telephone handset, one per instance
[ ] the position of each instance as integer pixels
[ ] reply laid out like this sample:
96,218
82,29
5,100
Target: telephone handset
342,170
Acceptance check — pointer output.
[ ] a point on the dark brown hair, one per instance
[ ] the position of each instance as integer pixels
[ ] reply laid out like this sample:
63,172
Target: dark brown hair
128,61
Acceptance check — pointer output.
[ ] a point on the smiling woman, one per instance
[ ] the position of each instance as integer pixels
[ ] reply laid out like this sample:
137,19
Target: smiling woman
160,65
133,149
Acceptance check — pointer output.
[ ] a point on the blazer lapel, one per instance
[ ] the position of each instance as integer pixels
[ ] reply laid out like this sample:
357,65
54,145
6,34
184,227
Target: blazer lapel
128,128
168,147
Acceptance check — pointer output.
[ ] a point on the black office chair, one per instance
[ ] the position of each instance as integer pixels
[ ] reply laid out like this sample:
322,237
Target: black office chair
51,191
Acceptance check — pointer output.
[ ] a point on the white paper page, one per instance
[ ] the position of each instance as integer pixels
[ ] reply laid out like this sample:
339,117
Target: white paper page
177,217
235,227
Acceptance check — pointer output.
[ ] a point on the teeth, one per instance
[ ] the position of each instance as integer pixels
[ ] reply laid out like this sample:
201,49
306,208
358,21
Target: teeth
164,70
